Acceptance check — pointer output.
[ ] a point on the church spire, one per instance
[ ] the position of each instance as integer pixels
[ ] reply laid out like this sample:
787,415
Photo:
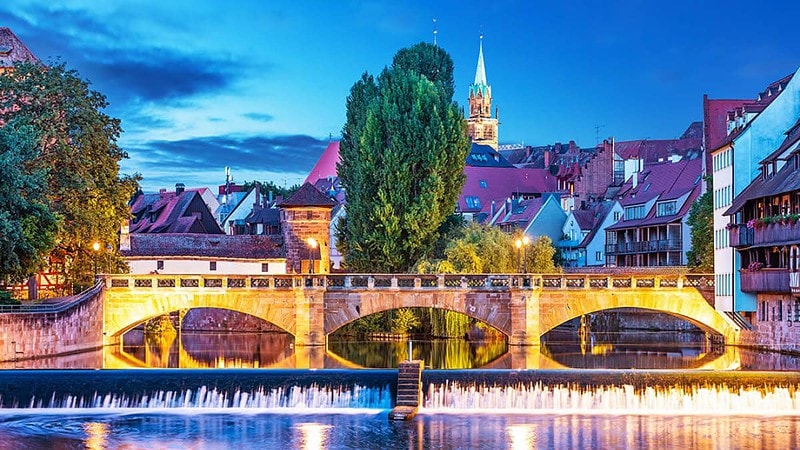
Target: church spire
480,71
480,123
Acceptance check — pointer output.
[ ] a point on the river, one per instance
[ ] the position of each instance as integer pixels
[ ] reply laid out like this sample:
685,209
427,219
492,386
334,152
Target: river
626,391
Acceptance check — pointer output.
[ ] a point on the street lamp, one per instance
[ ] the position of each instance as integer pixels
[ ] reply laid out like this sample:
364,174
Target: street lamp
525,242
96,248
519,255
312,244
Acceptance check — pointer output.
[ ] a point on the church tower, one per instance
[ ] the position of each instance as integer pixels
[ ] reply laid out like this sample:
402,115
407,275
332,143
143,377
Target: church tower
482,127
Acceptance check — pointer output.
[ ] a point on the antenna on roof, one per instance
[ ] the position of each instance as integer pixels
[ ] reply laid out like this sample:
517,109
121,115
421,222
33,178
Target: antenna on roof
434,31
597,133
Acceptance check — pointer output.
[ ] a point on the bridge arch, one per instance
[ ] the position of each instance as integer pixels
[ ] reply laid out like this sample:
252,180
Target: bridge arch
125,310
492,309
685,304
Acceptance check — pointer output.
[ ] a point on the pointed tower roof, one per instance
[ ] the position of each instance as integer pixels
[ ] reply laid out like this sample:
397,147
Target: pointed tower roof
307,195
12,50
480,71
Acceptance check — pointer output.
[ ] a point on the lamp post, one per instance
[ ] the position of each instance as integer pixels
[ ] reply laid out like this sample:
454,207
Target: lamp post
96,248
519,255
312,246
525,242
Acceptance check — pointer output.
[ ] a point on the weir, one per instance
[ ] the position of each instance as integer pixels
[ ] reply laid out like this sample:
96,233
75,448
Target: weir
310,392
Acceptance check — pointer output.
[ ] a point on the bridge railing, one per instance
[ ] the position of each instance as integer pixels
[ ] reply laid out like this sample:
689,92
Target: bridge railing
55,305
412,281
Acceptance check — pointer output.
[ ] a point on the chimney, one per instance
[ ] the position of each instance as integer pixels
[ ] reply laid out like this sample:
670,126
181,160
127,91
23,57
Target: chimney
546,159
492,211
270,198
179,188
257,187
125,236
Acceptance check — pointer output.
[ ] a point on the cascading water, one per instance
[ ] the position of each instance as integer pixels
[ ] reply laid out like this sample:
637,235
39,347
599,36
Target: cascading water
624,399
198,390
613,392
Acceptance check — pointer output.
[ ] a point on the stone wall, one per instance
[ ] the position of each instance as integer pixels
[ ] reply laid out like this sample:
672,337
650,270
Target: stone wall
76,327
776,324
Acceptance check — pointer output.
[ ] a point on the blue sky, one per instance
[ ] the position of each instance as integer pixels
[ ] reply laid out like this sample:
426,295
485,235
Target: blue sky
261,85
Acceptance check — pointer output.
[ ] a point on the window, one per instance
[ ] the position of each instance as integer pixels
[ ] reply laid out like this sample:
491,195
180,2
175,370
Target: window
265,267
617,215
212,265
159,265
483,184
473,202
598,256
634,212
666,208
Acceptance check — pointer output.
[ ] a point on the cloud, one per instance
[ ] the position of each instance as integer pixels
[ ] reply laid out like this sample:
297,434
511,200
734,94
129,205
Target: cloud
260,117
289,153
123,66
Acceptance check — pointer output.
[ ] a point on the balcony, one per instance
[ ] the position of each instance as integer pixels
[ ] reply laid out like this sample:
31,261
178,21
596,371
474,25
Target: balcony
765,280
661,245
765,235
794,283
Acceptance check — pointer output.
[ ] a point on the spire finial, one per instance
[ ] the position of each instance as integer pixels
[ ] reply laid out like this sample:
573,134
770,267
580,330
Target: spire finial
434,31
480,71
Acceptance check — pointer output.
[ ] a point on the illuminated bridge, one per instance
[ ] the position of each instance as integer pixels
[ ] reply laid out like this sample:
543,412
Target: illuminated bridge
310,307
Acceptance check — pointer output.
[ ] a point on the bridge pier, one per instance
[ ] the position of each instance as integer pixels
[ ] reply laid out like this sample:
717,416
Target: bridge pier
309,317
524,317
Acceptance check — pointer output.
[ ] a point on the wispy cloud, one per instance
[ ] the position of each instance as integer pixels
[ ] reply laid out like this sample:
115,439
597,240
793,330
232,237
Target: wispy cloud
273,153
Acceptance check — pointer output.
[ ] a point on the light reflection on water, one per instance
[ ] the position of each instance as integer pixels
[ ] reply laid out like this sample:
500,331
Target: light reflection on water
661,350
334,431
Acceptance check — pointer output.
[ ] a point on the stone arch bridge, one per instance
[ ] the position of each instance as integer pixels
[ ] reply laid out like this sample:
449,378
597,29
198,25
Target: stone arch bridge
310,307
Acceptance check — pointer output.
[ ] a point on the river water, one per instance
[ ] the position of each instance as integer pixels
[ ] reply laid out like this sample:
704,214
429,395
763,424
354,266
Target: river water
649,390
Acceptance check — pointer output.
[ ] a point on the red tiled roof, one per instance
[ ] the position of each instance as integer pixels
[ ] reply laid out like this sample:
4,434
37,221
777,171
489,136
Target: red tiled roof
205,245
502,183
12,50
326,164
307,195
718,137
524,212
658,150
666,181
715,115
166,212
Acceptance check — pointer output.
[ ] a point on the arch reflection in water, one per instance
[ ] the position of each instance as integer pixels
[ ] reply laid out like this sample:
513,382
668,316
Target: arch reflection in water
204,350
437,353
637,350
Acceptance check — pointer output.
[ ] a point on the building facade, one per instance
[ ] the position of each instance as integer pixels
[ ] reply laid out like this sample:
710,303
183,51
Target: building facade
754,131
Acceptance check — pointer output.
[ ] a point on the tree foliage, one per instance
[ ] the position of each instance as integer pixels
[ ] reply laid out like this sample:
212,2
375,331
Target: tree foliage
27,226
77,151
487,249
701,220
402,158
269,186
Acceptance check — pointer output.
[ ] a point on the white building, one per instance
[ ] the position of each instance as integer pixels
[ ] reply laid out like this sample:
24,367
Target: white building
754,131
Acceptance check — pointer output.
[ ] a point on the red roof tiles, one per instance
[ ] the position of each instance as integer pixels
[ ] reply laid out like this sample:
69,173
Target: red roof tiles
205,245
12,50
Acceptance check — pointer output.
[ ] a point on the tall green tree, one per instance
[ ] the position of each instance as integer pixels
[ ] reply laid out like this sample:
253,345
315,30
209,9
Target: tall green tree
402,158
27,227
700,257
77,149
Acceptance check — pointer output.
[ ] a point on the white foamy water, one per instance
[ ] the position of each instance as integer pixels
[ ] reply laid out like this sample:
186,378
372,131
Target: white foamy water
292,398
626,399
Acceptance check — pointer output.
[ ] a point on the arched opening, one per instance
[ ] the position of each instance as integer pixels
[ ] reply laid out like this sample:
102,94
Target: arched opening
443,339
632,338
205,338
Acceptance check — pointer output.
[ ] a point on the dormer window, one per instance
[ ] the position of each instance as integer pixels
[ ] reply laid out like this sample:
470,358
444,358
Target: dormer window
666,208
